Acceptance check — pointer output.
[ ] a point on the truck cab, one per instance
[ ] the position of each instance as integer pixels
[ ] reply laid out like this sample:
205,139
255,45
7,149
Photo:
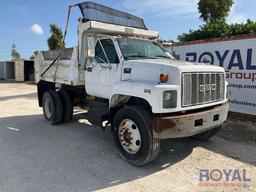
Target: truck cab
125,78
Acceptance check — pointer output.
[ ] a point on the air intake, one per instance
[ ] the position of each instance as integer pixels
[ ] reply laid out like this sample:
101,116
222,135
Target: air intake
202,88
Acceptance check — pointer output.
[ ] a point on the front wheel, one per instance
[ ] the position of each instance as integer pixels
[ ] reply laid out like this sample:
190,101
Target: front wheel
133,135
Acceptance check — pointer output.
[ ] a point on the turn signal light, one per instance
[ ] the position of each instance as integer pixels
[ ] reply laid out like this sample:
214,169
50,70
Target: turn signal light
163,78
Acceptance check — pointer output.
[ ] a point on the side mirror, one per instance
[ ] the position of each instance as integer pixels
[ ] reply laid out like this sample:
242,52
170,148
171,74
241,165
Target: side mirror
91,43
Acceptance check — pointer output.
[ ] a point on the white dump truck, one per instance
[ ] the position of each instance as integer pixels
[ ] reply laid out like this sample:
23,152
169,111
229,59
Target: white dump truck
128,82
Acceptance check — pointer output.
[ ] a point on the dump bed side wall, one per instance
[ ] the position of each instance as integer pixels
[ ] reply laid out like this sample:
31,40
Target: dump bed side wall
66,70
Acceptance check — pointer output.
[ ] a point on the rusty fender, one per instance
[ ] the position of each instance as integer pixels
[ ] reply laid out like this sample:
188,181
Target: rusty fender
186,125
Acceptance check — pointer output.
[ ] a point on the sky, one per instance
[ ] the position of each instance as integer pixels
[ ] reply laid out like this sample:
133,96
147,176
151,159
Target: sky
26,23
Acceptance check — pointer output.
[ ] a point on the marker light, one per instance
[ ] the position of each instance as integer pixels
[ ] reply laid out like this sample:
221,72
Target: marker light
163,78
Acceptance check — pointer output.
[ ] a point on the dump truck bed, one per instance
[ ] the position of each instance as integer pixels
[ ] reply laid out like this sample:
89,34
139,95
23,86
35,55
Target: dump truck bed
66,70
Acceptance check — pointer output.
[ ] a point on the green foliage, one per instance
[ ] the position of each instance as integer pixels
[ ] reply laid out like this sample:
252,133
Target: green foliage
214,12
219,28
55,41
15,55
214,9
32,57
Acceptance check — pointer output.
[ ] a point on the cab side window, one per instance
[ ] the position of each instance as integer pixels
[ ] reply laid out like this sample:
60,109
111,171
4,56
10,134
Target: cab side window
105,52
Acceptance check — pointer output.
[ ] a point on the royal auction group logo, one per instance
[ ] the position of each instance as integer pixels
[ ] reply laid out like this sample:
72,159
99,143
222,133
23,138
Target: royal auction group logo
224,178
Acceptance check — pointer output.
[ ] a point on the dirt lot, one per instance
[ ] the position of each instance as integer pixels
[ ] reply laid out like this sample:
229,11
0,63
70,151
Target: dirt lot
35,156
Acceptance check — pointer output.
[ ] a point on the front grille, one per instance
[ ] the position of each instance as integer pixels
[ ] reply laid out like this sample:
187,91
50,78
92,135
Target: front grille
202,88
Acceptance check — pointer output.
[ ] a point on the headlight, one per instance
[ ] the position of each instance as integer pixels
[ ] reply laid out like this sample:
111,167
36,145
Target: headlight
167,96
169,99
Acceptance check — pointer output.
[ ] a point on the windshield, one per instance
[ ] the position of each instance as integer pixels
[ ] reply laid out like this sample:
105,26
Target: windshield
141,49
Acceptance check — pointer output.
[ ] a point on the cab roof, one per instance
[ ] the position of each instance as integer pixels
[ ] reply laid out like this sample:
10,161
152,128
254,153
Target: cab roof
96,12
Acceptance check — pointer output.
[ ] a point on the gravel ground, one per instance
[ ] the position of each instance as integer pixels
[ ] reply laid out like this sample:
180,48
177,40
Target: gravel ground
36,156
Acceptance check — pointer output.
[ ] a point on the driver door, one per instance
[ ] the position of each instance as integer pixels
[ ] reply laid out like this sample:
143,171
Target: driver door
101,72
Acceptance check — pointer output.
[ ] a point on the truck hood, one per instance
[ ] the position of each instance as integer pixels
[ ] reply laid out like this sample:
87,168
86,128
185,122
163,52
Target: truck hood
149,70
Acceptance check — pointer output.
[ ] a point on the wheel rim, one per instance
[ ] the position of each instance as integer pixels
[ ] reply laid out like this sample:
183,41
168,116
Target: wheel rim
129,136
47,107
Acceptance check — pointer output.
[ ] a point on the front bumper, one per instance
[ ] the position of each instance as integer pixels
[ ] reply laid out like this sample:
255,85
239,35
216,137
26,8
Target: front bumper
189,124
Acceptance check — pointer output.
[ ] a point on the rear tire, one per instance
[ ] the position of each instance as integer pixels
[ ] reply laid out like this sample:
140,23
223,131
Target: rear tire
133,135
207,134
67,106
52,107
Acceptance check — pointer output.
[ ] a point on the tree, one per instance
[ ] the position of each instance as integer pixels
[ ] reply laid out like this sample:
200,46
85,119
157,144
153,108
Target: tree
214,12
214,9
32,57
217,29
14,53
55,41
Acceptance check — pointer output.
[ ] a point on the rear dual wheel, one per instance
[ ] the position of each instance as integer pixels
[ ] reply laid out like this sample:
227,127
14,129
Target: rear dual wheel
52,107
57,107
67,106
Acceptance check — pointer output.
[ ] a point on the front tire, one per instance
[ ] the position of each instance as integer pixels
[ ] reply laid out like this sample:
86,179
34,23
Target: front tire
133,135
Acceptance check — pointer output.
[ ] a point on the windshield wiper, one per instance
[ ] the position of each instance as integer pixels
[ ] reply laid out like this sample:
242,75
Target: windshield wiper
163,56
140,56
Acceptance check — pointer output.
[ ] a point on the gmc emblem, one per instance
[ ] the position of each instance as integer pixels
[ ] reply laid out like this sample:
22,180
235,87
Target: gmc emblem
207,87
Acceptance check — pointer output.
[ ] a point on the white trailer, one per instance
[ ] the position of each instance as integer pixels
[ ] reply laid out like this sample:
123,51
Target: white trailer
126,80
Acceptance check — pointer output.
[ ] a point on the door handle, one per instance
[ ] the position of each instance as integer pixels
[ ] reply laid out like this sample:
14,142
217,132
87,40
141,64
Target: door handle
127,70
89,69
